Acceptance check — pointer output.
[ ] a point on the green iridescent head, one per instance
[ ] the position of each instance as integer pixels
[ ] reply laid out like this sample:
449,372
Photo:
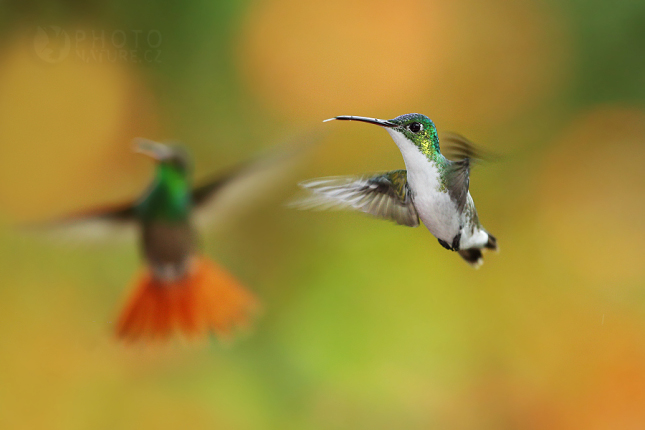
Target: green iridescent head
169,197
416,128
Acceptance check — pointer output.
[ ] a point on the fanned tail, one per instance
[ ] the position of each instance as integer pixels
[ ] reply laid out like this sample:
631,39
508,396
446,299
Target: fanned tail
474,256
206,300
492,243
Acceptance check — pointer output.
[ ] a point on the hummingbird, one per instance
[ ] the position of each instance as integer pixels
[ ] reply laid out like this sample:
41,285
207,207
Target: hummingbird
432,189
180,290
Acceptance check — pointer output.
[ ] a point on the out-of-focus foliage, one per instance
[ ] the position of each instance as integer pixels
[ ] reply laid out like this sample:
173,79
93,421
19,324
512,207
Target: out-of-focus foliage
366,324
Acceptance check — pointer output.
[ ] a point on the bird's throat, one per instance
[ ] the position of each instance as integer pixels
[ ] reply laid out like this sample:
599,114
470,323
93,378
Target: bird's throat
169,197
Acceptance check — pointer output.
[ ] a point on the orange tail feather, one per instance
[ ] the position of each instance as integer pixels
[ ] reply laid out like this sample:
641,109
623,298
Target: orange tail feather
209,299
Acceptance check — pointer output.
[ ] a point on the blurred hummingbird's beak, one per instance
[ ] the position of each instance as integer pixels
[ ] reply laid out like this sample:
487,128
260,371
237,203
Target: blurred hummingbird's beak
381,122
155,150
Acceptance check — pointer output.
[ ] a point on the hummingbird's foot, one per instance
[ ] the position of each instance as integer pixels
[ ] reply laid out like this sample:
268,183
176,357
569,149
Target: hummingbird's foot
455,243
445,245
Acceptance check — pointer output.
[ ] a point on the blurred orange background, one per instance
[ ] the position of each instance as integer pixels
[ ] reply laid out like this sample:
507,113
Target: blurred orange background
366,324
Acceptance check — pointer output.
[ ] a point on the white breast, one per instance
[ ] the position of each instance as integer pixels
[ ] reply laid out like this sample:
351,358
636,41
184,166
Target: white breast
437,212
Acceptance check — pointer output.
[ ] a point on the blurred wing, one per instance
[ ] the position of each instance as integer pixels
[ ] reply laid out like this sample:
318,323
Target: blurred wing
386,196
109,223
461,154
456,147
458,181
227,195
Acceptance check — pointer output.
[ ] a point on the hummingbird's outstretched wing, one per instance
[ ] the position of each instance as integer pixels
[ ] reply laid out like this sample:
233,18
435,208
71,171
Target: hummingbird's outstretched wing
386,195
461,154
99,224
456,147
223,196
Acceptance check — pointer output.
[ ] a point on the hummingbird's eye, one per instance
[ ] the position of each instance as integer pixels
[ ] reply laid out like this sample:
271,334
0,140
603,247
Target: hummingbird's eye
415,127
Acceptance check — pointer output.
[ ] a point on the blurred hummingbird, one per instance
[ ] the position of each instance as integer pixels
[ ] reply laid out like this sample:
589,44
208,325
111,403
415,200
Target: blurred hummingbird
179,289
433,189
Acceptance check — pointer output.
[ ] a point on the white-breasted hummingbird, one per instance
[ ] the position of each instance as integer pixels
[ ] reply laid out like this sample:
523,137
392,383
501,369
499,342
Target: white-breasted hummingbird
433,189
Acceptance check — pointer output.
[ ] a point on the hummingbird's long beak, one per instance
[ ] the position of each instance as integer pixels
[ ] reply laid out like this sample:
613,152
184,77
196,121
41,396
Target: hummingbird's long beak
155,150
381,122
